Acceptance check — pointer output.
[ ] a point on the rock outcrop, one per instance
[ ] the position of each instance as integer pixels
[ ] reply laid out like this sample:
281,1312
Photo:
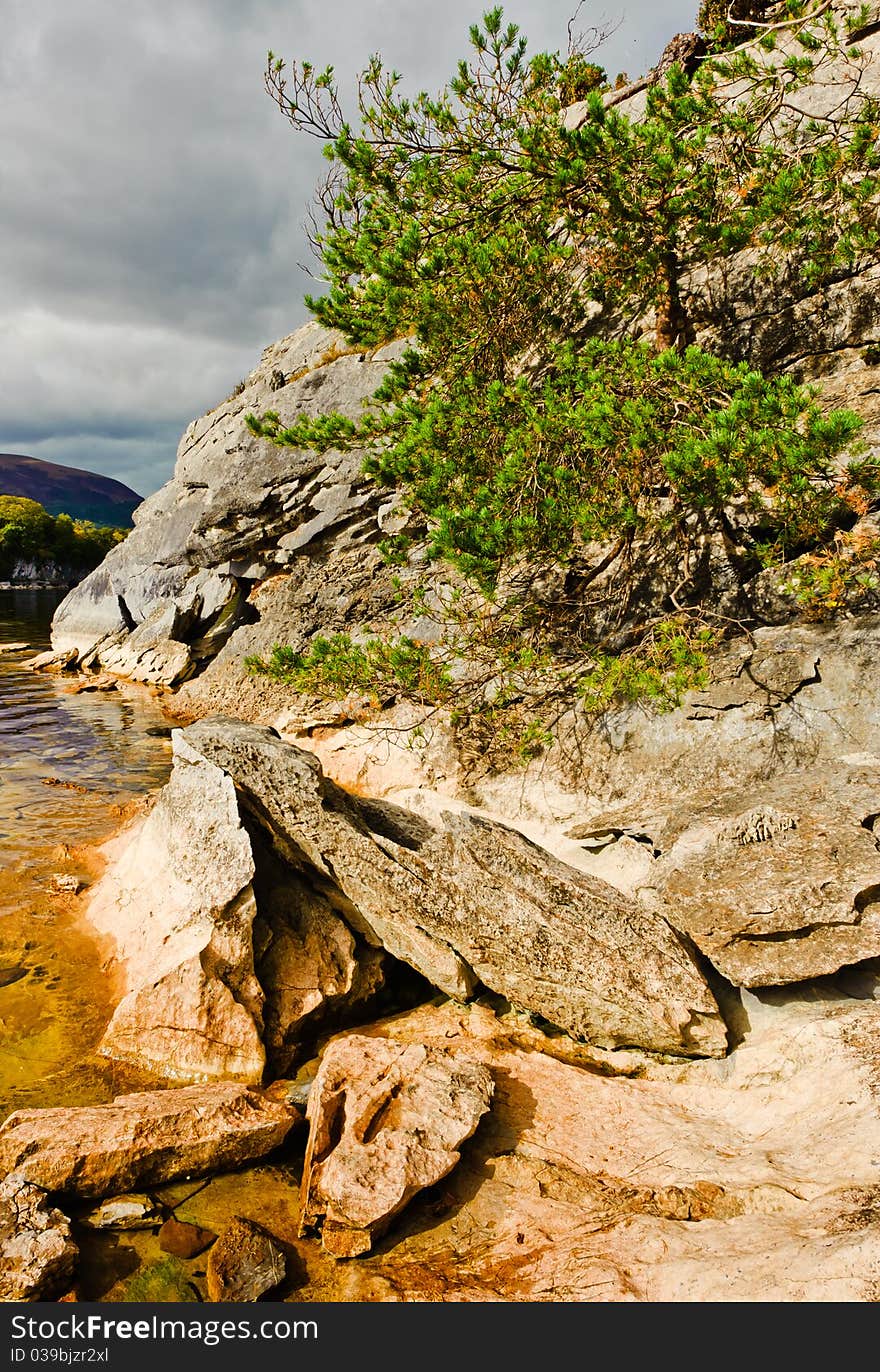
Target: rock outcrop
143,1139
37,1251
752,1179
251,544
387,1120
786,889
237,510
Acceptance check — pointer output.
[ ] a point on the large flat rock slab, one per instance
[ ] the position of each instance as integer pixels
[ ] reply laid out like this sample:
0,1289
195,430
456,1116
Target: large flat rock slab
143,1139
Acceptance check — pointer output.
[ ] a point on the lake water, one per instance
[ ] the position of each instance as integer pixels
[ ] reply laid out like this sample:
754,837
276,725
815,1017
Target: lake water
70,765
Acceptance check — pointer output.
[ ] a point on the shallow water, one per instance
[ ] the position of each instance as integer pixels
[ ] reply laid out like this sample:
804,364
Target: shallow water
69,764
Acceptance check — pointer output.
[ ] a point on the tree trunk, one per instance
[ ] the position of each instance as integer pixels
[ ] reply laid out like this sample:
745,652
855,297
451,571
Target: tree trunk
672,329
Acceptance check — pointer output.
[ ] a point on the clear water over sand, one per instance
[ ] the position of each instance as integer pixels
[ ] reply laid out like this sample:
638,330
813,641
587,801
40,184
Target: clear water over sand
69,764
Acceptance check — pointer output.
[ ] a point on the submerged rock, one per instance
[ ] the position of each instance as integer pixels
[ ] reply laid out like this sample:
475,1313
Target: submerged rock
184,1240
387,1120
165,1282
37,1252
466,901
244,1263
143,1139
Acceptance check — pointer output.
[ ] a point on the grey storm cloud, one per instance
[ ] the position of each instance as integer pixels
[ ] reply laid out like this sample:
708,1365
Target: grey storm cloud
154,199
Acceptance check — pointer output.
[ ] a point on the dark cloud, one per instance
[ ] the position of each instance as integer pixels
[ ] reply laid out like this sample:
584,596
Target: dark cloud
154,198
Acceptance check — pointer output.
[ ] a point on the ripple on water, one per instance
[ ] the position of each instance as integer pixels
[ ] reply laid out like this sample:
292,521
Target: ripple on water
68,764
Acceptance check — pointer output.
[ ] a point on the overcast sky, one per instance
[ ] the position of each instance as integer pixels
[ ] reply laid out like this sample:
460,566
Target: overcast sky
153,198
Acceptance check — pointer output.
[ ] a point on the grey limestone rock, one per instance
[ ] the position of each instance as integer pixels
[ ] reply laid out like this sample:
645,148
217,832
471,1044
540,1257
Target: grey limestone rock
471,901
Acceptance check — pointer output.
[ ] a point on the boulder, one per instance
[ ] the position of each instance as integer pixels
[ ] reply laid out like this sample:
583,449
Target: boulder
387,1120
143,1139
37,1252
179,908
244,1263
466,901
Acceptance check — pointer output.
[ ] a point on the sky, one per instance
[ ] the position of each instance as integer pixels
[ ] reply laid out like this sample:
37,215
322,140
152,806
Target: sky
153,199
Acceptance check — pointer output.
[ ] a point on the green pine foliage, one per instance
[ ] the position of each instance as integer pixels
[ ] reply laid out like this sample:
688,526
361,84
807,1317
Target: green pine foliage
533,413
337,666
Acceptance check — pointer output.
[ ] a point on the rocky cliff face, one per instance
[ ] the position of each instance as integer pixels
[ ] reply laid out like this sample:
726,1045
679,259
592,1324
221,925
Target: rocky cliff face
236,513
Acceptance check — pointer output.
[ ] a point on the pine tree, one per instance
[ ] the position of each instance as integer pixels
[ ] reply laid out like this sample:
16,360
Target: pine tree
523,257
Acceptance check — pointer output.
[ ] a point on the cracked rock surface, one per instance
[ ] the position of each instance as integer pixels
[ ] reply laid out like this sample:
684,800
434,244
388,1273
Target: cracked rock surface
752,1179
37,1251
782,891
387,1120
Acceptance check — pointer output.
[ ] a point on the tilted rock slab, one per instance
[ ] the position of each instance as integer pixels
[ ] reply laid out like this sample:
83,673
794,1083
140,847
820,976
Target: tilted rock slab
143,1139
786,889
37,1252
473,902
387,1120
184,904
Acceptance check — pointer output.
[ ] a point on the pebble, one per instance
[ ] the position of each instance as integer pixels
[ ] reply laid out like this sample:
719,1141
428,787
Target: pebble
123,1212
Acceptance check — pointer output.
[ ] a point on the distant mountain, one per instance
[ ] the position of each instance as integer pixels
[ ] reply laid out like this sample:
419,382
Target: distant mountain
67,490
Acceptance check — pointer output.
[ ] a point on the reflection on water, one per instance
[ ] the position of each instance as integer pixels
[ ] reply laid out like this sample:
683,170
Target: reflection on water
51,741
67,765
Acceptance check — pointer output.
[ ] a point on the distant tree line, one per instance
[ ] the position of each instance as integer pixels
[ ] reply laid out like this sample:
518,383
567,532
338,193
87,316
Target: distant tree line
29,534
